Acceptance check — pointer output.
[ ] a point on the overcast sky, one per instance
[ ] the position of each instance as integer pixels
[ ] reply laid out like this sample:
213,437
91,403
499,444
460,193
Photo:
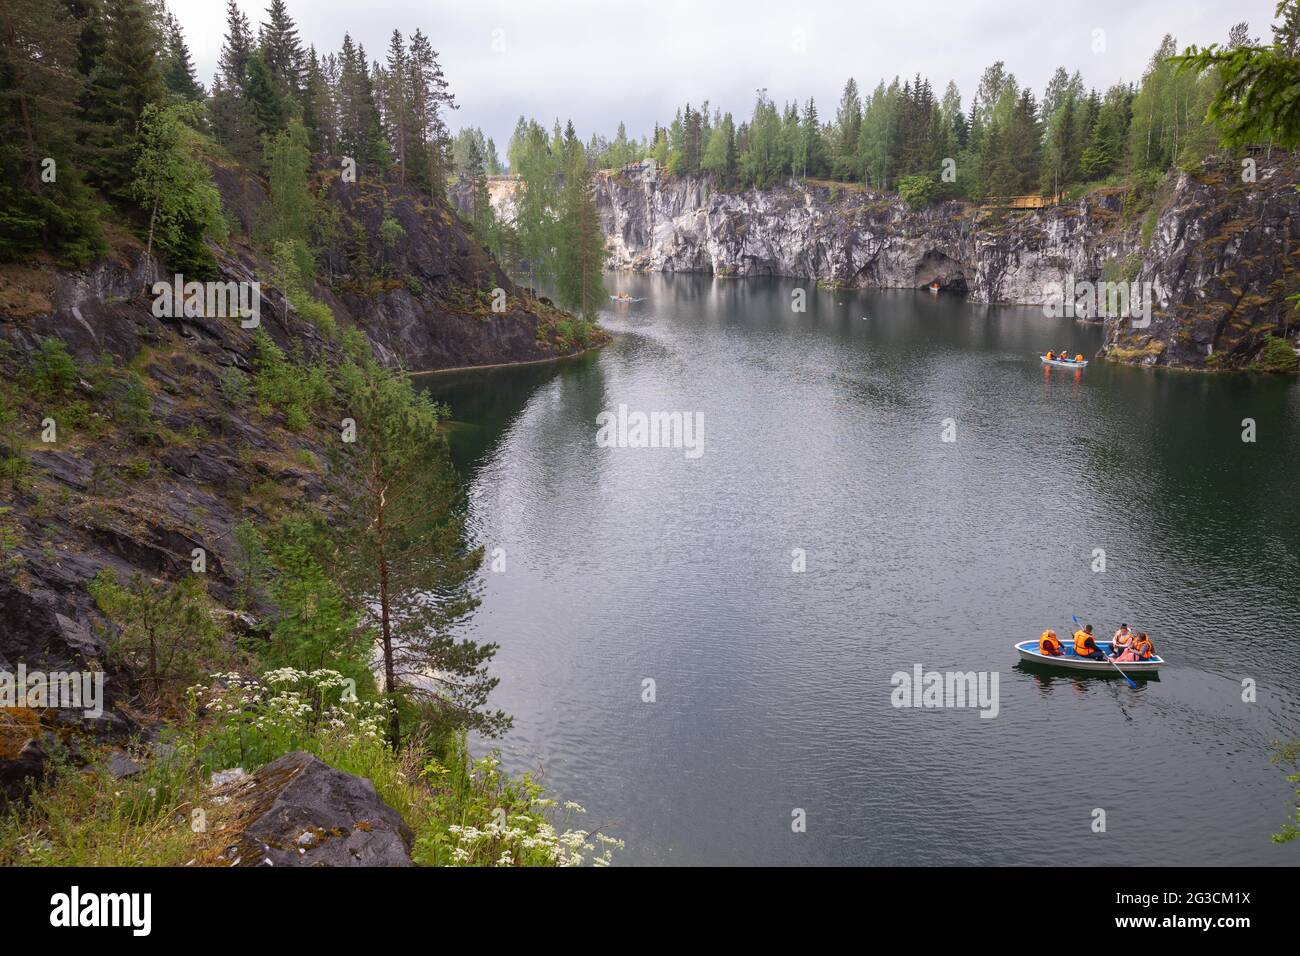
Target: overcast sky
639,60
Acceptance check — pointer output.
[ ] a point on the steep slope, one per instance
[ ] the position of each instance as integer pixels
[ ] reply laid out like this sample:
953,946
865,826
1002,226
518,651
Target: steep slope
161,444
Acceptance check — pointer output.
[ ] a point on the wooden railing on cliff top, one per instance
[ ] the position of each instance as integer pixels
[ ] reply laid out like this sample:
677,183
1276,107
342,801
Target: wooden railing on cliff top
1023,202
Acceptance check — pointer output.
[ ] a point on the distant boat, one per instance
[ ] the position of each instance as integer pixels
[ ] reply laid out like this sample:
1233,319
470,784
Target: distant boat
1063,363
621,297
1028,651
934,288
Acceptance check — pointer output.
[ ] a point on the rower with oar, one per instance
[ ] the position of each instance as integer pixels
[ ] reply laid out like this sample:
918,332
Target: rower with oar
1085,645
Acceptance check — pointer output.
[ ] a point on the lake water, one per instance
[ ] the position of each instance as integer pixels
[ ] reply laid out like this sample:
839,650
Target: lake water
823,432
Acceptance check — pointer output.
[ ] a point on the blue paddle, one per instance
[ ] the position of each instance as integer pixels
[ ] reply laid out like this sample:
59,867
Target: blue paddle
1108,660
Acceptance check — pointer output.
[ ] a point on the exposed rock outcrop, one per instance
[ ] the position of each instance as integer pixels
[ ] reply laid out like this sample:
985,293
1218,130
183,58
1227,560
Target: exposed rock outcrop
299,811
398,265
1219,253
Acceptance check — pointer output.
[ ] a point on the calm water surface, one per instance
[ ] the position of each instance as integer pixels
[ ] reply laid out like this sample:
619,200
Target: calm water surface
822,433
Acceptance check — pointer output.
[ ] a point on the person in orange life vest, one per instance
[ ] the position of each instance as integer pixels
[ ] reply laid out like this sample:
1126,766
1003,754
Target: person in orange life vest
1079,357
1085,645
1049,645
1143,649
1121,642
1051,355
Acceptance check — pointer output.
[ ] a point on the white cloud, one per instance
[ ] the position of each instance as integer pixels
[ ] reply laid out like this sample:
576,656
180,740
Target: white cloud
639,60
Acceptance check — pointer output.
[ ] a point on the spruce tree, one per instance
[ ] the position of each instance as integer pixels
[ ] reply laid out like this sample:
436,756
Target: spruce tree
128,78
39,119
178,74
282,49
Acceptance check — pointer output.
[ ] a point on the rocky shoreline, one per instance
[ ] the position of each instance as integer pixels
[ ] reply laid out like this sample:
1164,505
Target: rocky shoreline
1217,254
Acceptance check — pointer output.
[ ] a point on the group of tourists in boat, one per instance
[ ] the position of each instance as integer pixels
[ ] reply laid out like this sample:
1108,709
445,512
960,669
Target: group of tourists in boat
1126,646
1063,356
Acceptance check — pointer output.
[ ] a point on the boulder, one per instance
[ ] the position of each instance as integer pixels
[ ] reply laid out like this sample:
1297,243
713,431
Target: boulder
120,765
299,811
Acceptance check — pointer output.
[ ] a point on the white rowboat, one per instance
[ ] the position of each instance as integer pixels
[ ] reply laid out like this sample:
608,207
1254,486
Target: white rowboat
1060,363
1028,651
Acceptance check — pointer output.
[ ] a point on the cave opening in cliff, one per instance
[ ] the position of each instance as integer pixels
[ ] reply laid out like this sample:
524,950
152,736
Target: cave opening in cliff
936,270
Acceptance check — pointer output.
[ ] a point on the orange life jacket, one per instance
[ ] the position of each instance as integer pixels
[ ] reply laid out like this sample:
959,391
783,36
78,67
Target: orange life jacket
1079,357
1048,644
1050,356
1081,648
1122,639
1144,648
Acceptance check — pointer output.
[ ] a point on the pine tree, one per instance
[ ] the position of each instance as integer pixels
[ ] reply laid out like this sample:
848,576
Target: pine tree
402,552
313,82
428,98
398,113
178,72
282,49
231,123
128,79
268,106
39,119
232,63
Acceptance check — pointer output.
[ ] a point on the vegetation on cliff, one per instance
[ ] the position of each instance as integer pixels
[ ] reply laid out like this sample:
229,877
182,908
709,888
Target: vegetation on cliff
205,505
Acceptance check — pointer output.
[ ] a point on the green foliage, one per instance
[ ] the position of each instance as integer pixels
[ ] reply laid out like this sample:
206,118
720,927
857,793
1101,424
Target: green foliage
1258,98
84,816
53,373
314,626
291,213
456,806
917,191
1276,355
176,190
44,206
1289,753
1169,113
464,812
291,277
133,405
401,552
291,387
391,231
14,465
580,256
165,632
250,563
62,219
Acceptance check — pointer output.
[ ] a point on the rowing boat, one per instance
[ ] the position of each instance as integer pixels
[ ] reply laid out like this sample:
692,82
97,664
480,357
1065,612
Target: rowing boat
1063,363
1029,652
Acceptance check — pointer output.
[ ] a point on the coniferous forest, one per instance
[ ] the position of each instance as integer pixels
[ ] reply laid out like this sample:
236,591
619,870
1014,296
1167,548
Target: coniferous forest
307,391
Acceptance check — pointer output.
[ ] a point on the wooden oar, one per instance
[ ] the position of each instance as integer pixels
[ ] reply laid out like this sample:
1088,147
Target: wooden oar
1108,660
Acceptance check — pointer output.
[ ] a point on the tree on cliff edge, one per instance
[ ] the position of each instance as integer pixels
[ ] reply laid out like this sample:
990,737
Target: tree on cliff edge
1258,100
401,555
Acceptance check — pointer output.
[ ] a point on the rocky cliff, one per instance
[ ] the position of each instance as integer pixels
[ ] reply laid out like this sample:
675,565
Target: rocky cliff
158,448
1216,256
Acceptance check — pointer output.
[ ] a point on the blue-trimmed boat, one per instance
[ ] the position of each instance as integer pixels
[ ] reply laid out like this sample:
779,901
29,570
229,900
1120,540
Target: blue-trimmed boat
1028,651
